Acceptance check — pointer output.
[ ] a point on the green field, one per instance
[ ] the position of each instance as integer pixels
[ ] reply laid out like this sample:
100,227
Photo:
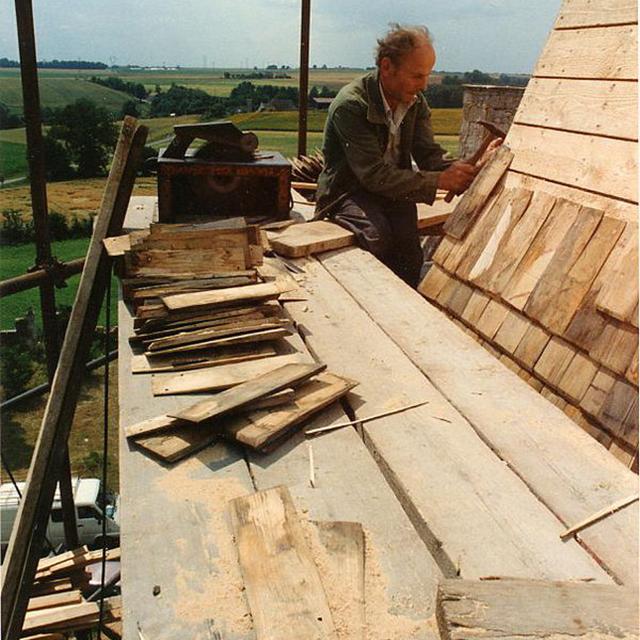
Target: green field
210,80
15,260
58,92
13,159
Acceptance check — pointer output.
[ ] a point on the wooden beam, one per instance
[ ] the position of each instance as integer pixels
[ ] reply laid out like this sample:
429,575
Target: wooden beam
508,608
30,525
584,13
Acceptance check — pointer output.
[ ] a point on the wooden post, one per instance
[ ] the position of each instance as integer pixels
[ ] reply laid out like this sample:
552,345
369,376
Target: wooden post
31,520
304,77
37,178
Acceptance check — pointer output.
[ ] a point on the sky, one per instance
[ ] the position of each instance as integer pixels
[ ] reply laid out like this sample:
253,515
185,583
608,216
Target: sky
491,35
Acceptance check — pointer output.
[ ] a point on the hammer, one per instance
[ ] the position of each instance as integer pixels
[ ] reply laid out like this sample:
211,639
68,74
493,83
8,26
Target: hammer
493,133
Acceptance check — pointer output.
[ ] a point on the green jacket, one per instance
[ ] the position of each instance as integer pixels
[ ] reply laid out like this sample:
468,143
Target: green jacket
355,139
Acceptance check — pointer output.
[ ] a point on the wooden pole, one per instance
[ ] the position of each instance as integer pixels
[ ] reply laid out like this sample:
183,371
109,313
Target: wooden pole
37,278
304,77
31,520
37,176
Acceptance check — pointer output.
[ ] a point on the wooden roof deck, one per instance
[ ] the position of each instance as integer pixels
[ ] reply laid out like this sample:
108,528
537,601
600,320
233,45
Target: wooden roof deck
480,481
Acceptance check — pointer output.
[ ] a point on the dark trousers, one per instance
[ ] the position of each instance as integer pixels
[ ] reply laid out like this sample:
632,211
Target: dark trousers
386,228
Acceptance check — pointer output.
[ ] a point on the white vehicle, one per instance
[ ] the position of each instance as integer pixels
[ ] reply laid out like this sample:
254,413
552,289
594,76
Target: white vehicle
89,514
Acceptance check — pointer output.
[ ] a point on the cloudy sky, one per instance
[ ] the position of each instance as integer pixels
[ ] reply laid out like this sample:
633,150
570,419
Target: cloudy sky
490,35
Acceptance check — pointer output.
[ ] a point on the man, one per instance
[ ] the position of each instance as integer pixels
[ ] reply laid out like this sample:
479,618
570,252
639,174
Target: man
375,125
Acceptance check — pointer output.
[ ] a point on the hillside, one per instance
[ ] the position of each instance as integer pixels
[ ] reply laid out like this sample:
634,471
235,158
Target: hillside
56,92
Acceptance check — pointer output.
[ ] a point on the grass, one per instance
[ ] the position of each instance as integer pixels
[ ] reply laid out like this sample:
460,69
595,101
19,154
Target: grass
13,159
57,92
15,260
21,426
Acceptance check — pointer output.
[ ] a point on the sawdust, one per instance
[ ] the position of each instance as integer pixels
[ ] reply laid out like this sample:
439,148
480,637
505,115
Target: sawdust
215,597
379,623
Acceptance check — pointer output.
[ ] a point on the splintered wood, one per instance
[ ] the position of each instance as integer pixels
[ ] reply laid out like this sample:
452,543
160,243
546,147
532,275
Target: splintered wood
284,587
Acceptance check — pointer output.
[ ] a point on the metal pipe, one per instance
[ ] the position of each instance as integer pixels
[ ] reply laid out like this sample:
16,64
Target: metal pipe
45,386
303,91
37,278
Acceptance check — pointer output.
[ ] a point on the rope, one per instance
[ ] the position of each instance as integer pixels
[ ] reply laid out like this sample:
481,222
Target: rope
105,450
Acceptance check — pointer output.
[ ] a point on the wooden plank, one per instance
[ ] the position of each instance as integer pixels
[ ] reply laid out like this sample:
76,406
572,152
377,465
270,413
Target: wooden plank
615,208
261,430
599,53
475,308
577,377
553,361
433,215
342,567
583,13
65,615
490,219
185,260
597,392
241,338
309,238
618,296
615,347
477,194
432,283
189,555
632,371
140,293
596,107
566,469
282,582
511,331
143,364
48,563
117,245
433,437
540,253
577,280
216,298
27,536
550,287
576,159
501,236
531,346
54,600
219,377
491,319
619,413
588,324
507,608
198,336
226,401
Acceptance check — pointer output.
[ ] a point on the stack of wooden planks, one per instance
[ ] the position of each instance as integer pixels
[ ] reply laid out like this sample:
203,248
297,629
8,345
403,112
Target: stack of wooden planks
540,260
57,605
203,331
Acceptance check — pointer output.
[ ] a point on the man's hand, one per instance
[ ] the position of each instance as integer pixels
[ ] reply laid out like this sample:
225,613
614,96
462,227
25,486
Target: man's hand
457,177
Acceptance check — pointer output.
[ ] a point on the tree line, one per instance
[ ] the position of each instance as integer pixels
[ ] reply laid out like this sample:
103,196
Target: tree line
6,63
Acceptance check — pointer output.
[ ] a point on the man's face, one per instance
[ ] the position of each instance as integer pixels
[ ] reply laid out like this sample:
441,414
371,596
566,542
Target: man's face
402,82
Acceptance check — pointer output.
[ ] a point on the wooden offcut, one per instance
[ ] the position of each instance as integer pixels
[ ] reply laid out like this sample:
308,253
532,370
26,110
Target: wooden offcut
312,237
262,429
217,298
282,583
221,376
510,608
226,401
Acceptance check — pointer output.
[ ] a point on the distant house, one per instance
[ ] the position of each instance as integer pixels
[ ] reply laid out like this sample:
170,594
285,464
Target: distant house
321,103
278,104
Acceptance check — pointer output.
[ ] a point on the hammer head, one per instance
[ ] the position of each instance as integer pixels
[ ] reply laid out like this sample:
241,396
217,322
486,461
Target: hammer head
492,129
